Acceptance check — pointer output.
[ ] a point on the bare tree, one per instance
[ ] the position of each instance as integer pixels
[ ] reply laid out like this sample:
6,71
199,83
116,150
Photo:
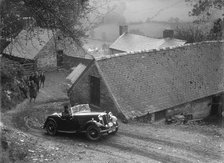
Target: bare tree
65,15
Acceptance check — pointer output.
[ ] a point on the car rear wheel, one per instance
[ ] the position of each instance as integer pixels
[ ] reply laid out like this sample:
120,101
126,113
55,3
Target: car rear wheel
93,133
51,128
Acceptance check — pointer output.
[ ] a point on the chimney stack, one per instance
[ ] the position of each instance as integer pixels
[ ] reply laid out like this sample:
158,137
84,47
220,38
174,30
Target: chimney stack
168,33
123,29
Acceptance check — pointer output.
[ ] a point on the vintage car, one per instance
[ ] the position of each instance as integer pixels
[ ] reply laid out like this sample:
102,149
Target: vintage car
82,120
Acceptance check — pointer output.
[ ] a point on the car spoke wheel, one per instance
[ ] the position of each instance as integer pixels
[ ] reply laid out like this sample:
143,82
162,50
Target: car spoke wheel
51,128
93,133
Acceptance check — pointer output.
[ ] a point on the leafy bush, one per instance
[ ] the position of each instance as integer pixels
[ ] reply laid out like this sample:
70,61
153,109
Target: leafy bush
11,95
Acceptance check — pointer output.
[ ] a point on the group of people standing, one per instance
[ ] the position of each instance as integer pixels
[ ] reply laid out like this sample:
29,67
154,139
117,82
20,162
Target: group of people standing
31,84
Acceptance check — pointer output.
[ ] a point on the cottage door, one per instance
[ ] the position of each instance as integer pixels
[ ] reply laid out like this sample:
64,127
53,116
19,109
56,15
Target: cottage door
94,90
59,58
216,108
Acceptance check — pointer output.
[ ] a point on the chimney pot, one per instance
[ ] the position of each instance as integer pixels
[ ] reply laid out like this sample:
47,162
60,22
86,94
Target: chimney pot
168,33
123,29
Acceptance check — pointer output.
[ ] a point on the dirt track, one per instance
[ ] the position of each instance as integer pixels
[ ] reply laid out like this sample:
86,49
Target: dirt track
134,142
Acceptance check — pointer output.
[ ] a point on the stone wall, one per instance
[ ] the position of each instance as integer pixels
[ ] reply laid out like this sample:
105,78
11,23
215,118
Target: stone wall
199,108
47,57
69,47
69,62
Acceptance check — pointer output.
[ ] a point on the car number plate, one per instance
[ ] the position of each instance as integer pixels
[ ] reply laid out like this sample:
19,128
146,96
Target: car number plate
112,130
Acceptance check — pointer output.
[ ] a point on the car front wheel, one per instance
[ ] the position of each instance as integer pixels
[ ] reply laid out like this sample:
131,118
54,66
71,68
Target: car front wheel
93,133
51,128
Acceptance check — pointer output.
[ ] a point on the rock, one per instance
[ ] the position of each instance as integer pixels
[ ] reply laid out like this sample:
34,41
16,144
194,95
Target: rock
30,150
179,116
82,152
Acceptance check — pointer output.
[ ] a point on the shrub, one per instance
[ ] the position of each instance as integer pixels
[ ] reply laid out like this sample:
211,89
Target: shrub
11,95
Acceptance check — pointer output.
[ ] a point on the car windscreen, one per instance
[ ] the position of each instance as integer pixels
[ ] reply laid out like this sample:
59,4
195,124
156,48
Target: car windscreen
80,108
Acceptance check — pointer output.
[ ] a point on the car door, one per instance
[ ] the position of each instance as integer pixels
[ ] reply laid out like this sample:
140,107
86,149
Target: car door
64,123
72,124
68,123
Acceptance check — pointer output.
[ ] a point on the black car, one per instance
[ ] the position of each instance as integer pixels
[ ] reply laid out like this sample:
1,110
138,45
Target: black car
82,120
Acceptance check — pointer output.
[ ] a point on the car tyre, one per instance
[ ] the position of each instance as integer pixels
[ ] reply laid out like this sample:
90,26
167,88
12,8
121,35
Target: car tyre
51,128
93,133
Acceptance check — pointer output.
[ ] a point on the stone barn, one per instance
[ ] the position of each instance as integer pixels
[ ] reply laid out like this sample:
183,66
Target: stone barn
188,78
44,47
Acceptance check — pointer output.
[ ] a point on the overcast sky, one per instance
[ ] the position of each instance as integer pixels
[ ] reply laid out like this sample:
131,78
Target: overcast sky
135,10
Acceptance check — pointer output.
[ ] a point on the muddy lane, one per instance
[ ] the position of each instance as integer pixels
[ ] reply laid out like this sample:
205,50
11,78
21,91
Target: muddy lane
129,145
133,147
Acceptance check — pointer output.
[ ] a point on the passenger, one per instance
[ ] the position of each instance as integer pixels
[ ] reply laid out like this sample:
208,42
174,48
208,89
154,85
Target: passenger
66,112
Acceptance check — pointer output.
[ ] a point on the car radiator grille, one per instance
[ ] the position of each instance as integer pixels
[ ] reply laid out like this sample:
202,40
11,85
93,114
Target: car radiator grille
106,119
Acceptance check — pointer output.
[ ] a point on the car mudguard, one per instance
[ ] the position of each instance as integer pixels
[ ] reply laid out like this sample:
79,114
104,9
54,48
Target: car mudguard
92,122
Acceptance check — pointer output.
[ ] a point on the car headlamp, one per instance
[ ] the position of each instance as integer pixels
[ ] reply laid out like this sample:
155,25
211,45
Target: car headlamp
100,117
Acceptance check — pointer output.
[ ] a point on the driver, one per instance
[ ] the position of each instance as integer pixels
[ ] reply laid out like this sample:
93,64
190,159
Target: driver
66,112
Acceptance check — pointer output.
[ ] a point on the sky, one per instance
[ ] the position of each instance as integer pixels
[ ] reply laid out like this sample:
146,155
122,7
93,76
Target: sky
160,10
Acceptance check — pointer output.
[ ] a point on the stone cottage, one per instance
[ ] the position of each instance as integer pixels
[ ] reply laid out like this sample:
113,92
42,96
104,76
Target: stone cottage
45,47
153,82
128,42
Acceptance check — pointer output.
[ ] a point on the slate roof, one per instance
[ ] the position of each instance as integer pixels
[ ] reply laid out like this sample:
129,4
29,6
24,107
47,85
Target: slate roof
77,71
28,43
132,42
143,82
